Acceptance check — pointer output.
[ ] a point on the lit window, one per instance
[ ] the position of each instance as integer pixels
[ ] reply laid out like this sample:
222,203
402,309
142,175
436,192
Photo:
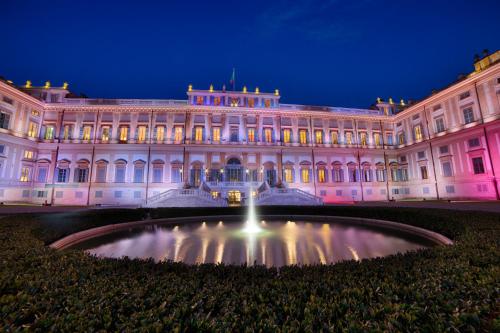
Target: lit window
362,138
303,136
123,134
348,138
268,135
319,136
141,133
251,102
417,130
477,163
321,175
198,133
289,175
376,138
25,174
178,133
468,115
216,134
160,133
217,101
67,132
105,134
334,137
251,134
86,132
267,103
28,154
49,133
35,113
401,138
286,135
305,175
199,100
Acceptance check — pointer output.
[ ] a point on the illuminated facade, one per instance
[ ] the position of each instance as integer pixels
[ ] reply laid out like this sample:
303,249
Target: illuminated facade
216,146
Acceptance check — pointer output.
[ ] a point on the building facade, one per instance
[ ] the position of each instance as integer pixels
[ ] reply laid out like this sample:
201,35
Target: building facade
224,144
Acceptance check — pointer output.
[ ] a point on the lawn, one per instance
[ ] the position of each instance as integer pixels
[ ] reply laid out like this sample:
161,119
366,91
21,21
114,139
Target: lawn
453,288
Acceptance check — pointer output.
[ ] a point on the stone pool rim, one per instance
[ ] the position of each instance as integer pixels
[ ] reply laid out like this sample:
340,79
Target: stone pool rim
84,235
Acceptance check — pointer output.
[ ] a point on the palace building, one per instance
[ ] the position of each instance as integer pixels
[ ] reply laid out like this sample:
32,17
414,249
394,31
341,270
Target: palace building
218,147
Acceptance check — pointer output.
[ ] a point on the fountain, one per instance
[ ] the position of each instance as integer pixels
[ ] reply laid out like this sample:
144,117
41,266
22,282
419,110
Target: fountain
251,225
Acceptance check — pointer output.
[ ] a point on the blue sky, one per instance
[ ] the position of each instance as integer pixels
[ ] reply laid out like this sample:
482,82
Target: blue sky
340,53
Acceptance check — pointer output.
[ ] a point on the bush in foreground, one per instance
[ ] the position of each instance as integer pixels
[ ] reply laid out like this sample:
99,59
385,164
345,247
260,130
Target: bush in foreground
441,289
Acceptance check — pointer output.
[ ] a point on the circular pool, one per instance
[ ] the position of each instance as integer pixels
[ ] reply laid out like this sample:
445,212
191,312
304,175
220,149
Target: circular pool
272,242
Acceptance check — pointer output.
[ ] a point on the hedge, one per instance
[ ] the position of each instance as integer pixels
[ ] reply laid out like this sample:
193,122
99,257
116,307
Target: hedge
452,288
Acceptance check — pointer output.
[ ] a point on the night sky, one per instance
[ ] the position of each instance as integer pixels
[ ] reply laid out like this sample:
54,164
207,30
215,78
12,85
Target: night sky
338,53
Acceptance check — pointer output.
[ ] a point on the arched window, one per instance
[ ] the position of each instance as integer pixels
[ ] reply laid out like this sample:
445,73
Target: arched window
338,172
82,171
321,172
139,167
101,168
62,171
120,168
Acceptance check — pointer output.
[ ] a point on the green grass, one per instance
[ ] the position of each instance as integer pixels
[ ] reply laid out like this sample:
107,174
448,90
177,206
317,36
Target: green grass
453,288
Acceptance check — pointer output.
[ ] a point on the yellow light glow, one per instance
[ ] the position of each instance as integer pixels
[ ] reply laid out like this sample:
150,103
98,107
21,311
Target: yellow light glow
47,85
391,101
244,89
379,100
257,90
10,81
402,102
190,87
211,88
277,92
65,85
28,84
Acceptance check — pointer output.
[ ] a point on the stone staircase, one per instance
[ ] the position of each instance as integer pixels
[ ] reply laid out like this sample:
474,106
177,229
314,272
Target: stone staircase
286,196
196,197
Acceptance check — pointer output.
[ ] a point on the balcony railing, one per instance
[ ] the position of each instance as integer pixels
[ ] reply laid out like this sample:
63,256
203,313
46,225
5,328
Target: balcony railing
129,102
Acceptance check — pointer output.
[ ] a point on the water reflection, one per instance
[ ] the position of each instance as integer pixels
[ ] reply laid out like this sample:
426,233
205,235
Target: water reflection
279,243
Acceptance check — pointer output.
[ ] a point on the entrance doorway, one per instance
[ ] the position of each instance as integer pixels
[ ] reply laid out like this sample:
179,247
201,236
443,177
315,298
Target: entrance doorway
234,197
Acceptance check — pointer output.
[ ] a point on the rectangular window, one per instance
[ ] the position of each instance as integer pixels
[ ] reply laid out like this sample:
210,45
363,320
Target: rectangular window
404,174
138,174
468,115
160,133
289,175
423,172
86,132
474,143
98,194
338,175
4,120
268,135
443,150
450,189
49,133
32,129
421,155
447,170
287,135
198,133
251,134
216,134
67,132
101,174
157,174
318,134
464,95
305,175
81,175
118,194
120,174
348,138
334,135
401,138
417,132
178,133
376,139
234,134
28,154
389,139
321,176
380,175
477,163
137,194
25,174
439,125
303,136
142,133
123,134
62,175
362,138
176,175
105,133
42,175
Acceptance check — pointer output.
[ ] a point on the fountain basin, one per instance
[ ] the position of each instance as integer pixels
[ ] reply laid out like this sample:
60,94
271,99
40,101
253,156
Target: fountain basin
279,242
